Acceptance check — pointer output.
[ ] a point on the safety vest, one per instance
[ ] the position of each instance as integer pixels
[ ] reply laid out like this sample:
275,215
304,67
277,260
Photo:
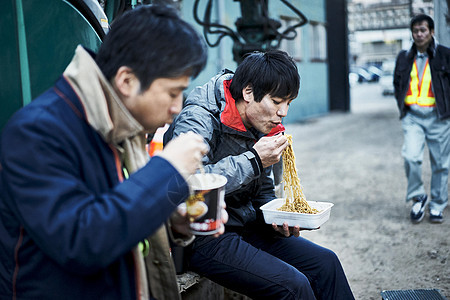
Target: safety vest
420,91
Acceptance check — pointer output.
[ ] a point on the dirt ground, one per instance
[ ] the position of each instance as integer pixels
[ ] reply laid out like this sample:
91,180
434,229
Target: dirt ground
353,160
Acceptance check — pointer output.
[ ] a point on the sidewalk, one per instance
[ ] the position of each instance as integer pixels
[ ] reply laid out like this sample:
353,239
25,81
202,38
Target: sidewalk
354,160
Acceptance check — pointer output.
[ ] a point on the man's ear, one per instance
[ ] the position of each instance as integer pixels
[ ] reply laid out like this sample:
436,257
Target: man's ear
247,93
125,82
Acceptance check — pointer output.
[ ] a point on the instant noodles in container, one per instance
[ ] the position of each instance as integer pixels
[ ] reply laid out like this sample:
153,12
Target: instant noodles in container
204,205
304,220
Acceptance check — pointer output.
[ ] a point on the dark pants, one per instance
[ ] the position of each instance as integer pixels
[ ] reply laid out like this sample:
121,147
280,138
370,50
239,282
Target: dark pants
268,266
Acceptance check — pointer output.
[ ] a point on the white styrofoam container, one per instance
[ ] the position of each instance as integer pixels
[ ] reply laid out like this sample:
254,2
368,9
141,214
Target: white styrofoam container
306,221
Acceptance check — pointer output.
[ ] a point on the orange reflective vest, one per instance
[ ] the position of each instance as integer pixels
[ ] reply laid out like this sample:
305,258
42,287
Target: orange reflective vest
420,91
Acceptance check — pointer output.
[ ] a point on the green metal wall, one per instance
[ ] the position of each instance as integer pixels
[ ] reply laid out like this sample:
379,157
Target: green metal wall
38,40
35,52
10,88
313,99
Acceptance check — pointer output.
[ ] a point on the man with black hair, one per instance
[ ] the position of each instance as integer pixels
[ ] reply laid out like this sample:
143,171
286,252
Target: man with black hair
422,91
239,115
78,191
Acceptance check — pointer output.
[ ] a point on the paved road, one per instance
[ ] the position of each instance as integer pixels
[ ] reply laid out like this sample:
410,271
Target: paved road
353,160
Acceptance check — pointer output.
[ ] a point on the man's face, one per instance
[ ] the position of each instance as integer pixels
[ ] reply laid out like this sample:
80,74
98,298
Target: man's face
266,114
422,35
158,104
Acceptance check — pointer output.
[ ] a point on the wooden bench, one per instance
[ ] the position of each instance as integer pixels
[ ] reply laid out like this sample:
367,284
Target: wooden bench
193,287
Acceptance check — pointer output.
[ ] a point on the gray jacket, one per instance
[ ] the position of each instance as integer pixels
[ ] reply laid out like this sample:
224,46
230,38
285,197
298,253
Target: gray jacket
213,115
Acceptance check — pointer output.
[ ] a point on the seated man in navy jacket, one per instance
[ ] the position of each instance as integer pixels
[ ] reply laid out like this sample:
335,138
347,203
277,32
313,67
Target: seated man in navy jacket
78,191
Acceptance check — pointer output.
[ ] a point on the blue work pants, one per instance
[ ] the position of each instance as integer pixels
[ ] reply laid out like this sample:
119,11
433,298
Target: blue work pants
268,266
419,128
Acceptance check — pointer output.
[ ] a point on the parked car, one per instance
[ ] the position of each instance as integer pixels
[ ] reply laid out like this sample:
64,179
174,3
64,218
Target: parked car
353,78
363,74
375,71
387,78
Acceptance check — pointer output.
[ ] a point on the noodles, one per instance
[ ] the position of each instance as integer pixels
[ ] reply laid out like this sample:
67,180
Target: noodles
295,199
195,197
195,207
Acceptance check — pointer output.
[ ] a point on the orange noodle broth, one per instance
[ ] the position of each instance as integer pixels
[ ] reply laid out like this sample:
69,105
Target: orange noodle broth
295,199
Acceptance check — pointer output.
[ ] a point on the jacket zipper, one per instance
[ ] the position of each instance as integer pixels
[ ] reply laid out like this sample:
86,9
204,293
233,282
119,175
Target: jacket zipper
444,96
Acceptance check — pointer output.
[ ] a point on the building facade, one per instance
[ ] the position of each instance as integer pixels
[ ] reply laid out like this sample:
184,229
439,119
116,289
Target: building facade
379,29
308,48
321,56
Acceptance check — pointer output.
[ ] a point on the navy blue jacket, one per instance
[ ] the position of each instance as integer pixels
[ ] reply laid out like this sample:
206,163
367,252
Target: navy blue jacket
66,224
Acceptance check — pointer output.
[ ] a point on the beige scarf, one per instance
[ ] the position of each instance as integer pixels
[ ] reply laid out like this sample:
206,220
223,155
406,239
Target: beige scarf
108,116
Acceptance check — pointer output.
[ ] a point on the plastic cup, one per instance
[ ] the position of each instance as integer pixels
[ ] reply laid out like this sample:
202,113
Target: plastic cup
204,205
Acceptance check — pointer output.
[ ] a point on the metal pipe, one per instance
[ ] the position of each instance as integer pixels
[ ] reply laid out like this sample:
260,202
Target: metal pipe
23,54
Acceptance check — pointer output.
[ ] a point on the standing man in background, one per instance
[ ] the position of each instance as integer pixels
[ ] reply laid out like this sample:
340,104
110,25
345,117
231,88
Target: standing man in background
422,91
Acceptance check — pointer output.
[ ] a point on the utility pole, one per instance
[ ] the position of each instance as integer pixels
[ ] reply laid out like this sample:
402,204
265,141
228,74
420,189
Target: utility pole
442,21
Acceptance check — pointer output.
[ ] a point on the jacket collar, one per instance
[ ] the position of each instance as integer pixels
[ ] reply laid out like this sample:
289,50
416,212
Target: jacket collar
230,116
103,108
431,50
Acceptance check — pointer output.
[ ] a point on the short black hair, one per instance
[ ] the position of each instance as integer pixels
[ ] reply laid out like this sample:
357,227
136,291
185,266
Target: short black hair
420,18
271,73
154,42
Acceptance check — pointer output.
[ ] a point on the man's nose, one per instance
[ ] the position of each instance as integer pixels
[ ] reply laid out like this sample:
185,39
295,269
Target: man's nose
177,105
283,110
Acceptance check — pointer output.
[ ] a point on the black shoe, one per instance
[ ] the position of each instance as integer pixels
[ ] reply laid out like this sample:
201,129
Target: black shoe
436,216
418,208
